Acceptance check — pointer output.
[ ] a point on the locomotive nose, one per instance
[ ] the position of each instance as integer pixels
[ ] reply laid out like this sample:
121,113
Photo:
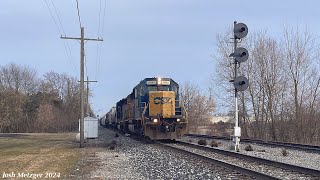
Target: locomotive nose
162,103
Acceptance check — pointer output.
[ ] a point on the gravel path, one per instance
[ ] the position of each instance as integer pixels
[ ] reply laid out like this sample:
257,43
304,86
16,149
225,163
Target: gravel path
133,159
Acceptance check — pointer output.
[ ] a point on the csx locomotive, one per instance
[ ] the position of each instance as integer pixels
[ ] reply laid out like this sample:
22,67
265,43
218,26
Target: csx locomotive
153,109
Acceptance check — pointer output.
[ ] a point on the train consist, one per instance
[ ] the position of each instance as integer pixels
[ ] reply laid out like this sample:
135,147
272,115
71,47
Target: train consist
153,109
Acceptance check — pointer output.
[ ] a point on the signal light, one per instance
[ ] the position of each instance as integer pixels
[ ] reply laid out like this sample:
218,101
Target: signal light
241,54
241,83
240,30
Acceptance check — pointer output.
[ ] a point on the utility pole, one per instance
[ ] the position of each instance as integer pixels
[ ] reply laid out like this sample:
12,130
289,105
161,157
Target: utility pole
87,81
82,39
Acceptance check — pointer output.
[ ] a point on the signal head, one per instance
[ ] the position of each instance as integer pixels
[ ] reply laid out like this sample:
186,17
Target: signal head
241,54
241,83
240,30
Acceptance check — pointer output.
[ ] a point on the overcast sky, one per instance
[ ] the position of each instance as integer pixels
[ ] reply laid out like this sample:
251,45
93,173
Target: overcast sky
142,38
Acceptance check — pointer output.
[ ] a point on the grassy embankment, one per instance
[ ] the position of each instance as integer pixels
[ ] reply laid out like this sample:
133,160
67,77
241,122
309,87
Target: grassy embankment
38,153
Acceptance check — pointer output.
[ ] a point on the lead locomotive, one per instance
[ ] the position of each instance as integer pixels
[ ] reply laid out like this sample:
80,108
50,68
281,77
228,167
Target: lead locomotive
153,109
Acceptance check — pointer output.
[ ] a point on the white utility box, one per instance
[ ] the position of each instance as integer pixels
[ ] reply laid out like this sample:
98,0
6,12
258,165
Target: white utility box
90,127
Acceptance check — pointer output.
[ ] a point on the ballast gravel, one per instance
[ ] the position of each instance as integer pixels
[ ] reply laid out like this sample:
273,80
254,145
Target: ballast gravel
111,157
132,159
295,157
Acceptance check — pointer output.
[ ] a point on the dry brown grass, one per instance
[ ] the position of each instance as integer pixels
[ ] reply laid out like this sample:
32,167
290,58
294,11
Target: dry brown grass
38,153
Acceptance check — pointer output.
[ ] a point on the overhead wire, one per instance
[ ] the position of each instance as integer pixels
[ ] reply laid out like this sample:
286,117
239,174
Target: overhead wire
104,15
99,18
66,43
61,31
54,20
55,9
78,13
99,46
98,35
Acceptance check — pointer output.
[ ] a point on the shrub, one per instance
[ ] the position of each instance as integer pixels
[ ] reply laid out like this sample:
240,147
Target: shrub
214,143
248,148
284,152
202,142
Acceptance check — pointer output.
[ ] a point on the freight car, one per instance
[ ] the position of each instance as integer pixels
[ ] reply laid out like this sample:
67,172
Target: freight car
102,121
111,118
153,109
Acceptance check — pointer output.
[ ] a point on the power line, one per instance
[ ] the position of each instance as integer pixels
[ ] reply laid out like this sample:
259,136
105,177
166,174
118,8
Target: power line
79,13
99,47
99,18
54,20
69,56
104,14
97,54
66,47
55,9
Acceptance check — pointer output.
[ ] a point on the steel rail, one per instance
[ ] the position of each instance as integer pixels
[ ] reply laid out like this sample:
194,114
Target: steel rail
286,166
303,147
229,166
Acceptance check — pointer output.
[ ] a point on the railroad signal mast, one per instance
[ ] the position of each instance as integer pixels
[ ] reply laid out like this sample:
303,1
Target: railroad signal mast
240,83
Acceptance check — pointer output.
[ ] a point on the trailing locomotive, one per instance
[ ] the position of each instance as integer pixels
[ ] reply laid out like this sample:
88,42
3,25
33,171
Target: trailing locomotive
153,109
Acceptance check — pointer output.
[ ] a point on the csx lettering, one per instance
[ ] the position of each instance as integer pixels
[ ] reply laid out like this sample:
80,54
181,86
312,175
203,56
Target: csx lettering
161,100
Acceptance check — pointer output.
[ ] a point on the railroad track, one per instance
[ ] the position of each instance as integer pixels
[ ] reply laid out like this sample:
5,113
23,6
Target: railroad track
249,165
225,169
222,170
303,147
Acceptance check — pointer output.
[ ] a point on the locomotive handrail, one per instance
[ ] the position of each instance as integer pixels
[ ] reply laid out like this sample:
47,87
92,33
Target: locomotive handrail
181,105
172,108
145,108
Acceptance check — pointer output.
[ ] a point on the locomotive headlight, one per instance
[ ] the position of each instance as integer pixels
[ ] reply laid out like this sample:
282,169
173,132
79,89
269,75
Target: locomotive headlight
155,120
159,80
178,120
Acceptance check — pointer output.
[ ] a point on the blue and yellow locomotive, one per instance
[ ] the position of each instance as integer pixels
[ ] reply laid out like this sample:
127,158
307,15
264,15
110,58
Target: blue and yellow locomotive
153,109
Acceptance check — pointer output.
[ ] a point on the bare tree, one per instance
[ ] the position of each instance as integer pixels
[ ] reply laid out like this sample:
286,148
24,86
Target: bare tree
198,106
18,78
30,105
15,83
300,52
283,94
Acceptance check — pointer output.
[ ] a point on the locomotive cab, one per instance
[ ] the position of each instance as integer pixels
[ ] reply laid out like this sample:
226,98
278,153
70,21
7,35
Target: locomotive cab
164,118
153,109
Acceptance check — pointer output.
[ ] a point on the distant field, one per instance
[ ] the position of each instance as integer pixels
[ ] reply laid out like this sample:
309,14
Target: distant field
39,153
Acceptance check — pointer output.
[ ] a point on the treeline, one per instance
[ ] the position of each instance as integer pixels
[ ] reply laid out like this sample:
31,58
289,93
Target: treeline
282,102
199,106
32,104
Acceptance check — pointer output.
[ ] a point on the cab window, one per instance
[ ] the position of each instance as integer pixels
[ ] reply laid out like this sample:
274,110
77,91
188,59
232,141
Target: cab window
161,88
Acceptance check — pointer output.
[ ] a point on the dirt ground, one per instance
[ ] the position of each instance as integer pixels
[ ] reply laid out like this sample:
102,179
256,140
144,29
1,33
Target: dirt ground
43,155
91,160
31,155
